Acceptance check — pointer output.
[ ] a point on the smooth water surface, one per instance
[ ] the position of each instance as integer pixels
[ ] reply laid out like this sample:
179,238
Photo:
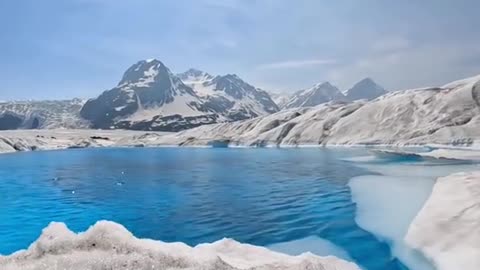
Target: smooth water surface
193,195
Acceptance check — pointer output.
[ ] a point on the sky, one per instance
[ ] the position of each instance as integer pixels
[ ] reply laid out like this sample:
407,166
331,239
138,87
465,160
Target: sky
54,49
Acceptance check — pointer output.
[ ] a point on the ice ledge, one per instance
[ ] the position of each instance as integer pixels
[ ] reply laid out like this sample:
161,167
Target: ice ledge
447,229
108,245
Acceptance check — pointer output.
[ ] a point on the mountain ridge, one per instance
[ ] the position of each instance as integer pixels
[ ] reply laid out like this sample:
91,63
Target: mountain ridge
149,96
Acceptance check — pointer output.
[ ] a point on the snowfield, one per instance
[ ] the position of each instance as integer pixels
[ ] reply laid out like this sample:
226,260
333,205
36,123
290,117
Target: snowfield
108,245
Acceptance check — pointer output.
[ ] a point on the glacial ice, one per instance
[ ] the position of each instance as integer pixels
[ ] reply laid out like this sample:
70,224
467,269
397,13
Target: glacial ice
313,244
108,245
401,190
388,211
447,229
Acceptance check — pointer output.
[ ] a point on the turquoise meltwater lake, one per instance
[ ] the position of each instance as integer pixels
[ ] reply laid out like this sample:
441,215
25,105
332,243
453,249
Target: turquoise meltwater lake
292,200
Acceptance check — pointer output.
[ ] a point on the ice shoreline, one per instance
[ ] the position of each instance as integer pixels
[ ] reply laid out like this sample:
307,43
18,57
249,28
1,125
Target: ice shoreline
37,140
108,245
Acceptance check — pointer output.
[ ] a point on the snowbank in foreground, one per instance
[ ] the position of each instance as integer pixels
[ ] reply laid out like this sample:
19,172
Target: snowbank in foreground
108,245
447,229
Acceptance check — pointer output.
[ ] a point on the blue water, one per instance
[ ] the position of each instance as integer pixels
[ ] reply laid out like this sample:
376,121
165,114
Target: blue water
257,196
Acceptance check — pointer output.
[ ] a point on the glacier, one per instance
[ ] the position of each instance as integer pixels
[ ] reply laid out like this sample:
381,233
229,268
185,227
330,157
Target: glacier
446,116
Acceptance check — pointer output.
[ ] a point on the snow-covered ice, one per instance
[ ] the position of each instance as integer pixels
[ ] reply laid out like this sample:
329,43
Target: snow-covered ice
447,229
388,211
401,190
108,245
313,244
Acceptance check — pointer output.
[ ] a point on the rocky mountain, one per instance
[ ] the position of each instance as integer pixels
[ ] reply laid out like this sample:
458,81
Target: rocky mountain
447,115
41,114
231,96
151,97
365,89
318,94
280,98
194,75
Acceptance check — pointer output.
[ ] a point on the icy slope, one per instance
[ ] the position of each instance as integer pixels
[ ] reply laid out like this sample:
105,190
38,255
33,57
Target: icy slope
41,114
448,115
447,229
108,245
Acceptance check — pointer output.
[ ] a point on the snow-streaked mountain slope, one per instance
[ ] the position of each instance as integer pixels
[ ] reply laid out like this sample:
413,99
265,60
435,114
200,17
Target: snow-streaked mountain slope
108,245
147,93
318,94
365,89
280,98
151,97
439,115
46,114
194,75
233,97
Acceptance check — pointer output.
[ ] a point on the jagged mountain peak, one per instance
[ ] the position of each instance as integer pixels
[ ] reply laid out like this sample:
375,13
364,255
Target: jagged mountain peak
322,84
317,94
146,71
194,75
366,88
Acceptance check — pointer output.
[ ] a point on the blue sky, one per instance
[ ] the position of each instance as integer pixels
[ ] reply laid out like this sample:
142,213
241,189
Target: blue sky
78,48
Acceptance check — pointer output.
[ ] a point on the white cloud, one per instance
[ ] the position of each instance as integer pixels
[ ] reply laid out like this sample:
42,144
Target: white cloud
296,64
427,65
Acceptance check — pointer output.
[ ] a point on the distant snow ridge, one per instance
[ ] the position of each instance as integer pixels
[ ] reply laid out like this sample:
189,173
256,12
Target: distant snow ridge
318,94
448,115
41,114
326,92
108,245
365,89
279,98
151,97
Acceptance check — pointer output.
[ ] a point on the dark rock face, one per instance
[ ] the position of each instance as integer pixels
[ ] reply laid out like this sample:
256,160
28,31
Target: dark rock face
172,123
146,84
109,105
10,121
